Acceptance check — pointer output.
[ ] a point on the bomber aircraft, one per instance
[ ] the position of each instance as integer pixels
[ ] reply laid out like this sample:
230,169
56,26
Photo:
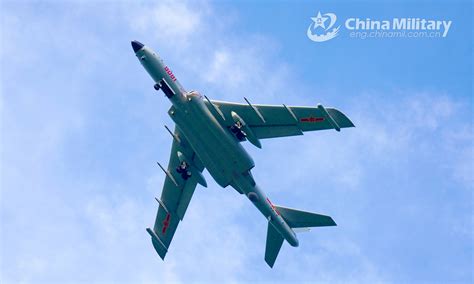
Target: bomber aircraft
208,135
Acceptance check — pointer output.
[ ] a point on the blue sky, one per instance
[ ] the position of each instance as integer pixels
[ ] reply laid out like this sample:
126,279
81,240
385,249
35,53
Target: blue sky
82,128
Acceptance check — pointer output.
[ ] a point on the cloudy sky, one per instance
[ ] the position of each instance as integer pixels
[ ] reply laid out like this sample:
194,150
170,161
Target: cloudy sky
82,128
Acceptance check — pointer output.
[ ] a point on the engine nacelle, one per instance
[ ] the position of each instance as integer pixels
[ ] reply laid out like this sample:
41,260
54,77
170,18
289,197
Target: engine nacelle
195,172
250,135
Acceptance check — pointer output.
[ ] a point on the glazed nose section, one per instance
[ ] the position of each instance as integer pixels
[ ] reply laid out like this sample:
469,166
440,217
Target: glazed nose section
136,45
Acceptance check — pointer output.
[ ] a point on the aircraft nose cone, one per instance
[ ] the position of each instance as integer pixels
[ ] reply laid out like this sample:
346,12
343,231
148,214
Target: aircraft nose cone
136,45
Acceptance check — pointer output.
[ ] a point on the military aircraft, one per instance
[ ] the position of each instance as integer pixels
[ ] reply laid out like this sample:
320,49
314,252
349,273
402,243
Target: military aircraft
208,134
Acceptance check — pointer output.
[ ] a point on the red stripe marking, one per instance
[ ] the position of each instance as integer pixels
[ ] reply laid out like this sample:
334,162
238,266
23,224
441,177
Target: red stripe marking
166,223
312,119
273,206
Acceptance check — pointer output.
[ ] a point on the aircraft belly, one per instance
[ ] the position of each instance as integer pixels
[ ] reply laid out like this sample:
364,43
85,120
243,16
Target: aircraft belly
215,147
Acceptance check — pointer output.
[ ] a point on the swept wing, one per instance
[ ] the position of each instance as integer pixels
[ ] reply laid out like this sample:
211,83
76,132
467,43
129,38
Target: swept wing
176,195
269,121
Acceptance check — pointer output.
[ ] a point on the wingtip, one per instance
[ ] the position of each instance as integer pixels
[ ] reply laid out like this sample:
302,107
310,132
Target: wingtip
333,222
269,263
351,123
342,120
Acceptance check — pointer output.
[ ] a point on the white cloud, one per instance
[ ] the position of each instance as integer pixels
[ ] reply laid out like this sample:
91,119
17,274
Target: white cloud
456,139
171,21
219,66
208,54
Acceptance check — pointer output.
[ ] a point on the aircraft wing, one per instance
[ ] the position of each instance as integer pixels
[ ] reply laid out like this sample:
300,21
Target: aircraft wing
269,121
175,197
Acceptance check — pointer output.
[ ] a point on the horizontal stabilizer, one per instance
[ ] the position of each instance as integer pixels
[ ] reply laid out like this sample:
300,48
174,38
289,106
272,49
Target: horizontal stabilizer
299,219
273,246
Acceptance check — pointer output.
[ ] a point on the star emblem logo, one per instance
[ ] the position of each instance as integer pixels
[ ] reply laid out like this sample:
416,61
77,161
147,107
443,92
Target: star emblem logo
328,30
319,21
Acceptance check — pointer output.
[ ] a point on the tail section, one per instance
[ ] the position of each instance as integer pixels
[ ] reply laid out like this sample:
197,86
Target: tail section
303,219
274,242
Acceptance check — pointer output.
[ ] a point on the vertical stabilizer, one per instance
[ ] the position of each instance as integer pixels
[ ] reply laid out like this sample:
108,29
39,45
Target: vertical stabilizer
274,242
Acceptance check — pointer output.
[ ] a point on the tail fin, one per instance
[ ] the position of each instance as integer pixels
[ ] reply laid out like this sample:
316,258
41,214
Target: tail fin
274,242
303,219
295,219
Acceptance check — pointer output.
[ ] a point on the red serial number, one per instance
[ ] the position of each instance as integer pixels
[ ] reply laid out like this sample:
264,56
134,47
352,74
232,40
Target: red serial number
170,73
